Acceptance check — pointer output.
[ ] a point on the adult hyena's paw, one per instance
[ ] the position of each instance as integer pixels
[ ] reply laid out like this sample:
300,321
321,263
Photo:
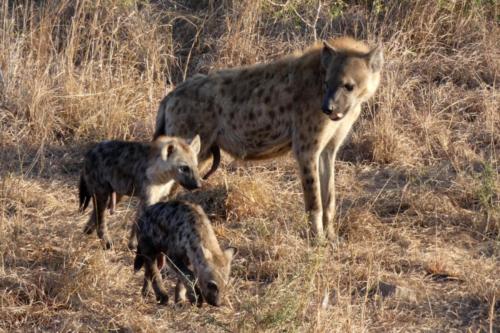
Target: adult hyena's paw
319,241
331,233
316,226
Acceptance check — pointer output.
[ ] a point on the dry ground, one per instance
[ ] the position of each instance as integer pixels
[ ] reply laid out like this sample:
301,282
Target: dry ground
417,183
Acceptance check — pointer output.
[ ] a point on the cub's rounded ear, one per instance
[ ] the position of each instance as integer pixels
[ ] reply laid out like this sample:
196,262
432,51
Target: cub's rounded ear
376,58
230,252
327,54
195,144
206,253
212,286
166,151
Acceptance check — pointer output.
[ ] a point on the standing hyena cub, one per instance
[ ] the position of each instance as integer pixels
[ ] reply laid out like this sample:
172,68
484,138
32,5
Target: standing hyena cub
135,169
182,232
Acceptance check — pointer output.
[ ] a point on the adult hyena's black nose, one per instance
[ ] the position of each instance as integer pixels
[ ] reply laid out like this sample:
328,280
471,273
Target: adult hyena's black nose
327,106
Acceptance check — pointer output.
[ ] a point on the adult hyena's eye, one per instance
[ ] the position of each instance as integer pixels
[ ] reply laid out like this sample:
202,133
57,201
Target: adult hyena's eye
184,169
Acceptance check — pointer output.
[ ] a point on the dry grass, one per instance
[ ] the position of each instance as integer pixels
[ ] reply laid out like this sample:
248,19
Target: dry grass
417,183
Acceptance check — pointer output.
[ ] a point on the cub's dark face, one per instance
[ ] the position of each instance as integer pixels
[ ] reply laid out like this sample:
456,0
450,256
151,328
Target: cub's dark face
213,282
177,161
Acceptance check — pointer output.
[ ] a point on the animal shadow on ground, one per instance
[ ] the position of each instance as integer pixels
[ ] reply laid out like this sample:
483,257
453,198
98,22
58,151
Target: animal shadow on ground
54,162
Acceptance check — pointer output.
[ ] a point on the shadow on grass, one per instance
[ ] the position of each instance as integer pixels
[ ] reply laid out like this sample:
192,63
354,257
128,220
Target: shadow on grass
59,162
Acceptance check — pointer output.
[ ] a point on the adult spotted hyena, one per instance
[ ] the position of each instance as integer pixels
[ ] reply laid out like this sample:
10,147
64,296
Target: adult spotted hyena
182,232
135,169
305,102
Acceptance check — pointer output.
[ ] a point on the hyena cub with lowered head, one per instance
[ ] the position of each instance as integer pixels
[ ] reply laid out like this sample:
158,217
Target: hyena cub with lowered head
135,169
182,232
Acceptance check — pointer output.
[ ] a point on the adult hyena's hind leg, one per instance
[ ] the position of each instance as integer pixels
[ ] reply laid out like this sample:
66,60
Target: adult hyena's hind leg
96,221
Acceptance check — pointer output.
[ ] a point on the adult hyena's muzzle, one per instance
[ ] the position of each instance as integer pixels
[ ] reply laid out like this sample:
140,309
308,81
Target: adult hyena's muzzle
330,108
335,116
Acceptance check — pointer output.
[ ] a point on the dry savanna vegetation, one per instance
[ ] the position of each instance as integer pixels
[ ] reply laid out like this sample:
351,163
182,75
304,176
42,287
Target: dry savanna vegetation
417,181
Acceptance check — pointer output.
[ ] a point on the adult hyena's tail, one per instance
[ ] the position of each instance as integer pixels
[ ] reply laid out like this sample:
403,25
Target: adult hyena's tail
160,119
84,194
215,150
160,130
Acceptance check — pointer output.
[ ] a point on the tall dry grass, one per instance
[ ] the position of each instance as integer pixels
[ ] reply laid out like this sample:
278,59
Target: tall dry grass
417,182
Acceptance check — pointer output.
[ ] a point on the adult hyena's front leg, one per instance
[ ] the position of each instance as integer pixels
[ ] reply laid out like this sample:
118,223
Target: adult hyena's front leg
327,180
309,174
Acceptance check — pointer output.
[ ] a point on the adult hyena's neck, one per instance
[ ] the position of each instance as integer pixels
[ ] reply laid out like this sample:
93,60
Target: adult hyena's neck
306,77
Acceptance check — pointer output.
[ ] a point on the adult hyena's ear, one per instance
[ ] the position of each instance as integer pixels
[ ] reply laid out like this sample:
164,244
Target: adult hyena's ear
376,58
327,54
196,144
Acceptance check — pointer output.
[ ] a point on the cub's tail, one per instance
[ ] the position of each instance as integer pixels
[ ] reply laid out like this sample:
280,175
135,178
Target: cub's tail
139,259
84,194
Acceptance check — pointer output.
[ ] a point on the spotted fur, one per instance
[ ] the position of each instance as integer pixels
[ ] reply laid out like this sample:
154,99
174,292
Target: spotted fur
114,168
182,232
305,102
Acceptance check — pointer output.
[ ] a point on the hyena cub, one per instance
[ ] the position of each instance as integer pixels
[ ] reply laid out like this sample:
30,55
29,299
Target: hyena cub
135,169
182,232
